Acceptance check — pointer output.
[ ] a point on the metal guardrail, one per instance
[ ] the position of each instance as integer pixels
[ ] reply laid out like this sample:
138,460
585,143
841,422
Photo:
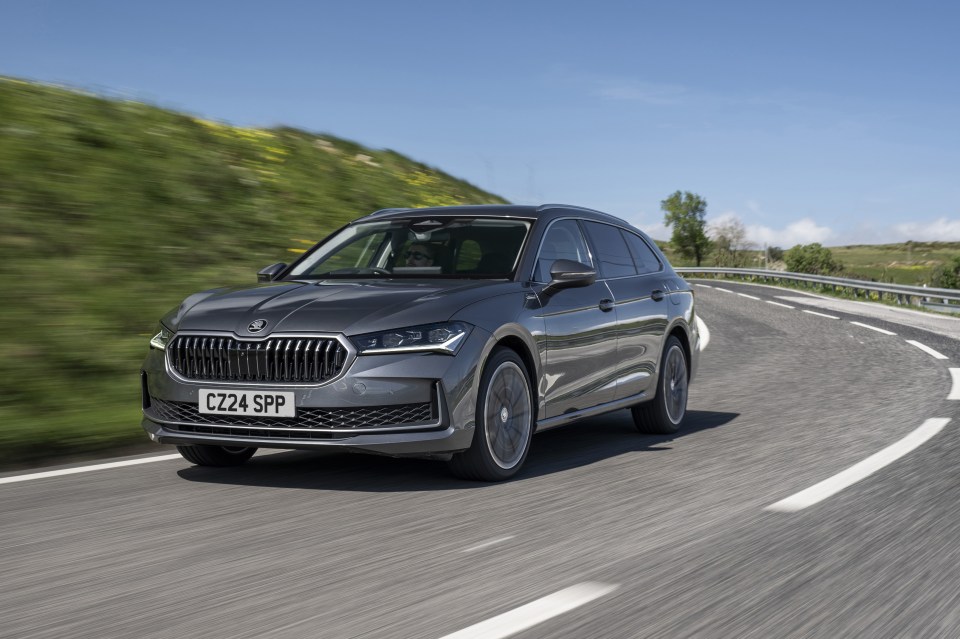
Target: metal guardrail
945,299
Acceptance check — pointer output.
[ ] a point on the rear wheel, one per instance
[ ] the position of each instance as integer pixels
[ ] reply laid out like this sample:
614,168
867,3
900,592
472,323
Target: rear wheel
504,421
664,414
216,455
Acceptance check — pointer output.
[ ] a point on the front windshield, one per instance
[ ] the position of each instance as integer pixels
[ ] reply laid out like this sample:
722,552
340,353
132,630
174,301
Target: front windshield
445,247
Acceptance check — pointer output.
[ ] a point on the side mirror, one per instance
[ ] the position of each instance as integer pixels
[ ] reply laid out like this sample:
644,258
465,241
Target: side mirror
569,274
267,274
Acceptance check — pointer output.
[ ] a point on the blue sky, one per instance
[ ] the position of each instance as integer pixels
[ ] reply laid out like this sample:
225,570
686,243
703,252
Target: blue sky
836,122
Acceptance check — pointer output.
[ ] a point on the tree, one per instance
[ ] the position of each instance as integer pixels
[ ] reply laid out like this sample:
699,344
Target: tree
685,212
811,258
775,254
948,275
730,240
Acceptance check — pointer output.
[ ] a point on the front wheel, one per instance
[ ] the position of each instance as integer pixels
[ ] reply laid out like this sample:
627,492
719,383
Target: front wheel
504,421
664,414
216,455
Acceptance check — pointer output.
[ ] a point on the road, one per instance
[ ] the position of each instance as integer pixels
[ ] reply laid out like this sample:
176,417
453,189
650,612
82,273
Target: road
606,533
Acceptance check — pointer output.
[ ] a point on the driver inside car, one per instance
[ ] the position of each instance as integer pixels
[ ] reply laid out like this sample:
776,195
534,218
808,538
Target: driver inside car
419,255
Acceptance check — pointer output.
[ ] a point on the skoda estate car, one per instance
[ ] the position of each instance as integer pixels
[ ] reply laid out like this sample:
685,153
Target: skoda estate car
453,333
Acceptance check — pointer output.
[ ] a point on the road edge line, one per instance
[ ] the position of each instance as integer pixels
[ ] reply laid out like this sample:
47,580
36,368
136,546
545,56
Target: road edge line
87,469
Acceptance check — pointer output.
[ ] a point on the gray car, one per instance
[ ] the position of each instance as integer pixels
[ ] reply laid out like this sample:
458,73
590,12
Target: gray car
451,333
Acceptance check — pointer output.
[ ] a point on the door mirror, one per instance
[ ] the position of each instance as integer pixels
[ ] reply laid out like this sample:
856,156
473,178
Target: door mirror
269,273
569,274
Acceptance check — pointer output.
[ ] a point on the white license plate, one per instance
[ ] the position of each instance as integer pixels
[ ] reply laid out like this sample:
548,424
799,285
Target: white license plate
235,402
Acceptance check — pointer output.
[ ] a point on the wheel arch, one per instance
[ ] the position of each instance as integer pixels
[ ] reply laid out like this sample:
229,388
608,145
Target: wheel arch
681,331
524,346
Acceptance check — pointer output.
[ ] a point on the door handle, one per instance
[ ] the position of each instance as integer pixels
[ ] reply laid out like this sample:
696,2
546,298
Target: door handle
606,305
657,295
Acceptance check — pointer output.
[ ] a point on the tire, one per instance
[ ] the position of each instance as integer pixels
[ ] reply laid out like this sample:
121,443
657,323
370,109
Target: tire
216,455
664,414
504,421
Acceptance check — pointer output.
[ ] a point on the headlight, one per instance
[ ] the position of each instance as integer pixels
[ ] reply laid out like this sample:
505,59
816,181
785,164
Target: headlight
440,338
160,340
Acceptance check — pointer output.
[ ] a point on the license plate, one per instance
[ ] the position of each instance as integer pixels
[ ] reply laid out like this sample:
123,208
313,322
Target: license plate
258,403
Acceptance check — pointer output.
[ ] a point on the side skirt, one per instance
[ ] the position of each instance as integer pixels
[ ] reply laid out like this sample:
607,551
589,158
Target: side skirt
566,418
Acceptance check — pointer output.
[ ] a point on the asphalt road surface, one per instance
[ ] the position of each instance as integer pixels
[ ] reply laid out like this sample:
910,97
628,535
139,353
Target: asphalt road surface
606,532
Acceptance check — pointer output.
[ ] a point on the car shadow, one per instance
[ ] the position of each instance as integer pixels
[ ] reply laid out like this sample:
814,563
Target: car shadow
576,445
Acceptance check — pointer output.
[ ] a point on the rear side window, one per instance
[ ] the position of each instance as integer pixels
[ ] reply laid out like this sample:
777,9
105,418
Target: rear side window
644,257
612,252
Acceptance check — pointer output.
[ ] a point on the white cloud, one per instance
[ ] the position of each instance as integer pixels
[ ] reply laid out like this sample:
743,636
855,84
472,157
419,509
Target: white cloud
939,230
802,231
619,88
806,231
647,93
654,229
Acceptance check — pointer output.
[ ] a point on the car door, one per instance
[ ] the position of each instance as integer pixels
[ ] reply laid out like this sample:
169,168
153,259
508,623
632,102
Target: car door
581,342
633,275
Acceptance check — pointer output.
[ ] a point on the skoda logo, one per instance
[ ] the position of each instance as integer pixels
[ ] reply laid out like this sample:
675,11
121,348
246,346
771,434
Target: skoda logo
257,325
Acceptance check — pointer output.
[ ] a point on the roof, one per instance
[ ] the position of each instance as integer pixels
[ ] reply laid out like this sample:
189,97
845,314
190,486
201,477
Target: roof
509,210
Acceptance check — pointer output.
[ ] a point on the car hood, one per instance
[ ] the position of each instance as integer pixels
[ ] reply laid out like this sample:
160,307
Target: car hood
331,306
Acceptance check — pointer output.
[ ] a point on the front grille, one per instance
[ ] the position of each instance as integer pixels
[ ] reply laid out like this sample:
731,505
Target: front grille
307,420
305,360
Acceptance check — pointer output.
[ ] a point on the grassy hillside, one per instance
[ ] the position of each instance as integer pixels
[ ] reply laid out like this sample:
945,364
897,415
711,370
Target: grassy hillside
111,211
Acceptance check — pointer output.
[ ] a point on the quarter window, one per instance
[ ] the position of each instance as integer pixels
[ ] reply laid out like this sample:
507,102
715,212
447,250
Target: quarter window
644,257
612,252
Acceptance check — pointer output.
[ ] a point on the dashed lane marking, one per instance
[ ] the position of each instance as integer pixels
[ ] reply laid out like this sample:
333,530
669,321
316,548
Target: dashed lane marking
704,285
926,349
704,334
725,290
751,297
955,389
487,544
535,612
821,314
829,487
781,305
874,328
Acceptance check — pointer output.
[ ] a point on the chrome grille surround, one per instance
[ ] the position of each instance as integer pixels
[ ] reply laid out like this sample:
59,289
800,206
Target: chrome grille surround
277,359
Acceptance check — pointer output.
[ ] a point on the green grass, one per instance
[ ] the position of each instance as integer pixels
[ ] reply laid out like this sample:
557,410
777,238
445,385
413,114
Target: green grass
112,211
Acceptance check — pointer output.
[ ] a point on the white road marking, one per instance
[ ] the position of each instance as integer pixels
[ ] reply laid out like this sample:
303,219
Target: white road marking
704,285
87,469
748,296
926,349
874,328
725,290
870,465
955,391
779,304
487,544
821,314
535,612
704,334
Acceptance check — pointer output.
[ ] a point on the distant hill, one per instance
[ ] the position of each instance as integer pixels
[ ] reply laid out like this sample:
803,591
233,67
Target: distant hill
912,263
111,211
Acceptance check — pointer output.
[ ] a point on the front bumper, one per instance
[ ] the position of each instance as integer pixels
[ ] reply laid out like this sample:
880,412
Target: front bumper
406,404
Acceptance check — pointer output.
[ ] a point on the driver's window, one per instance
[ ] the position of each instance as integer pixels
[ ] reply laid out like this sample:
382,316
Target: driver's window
563,241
